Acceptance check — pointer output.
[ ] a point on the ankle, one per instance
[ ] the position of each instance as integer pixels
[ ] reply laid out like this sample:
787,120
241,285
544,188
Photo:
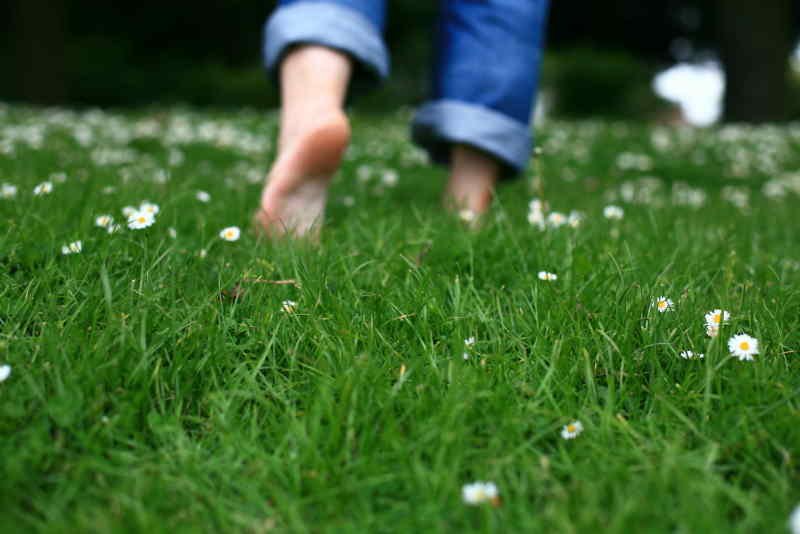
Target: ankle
473,175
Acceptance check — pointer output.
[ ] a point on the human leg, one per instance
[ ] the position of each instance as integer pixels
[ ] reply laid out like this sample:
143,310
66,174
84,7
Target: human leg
314,47
478,121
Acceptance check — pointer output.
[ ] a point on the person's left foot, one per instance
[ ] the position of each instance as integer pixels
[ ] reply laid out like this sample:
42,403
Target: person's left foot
470,188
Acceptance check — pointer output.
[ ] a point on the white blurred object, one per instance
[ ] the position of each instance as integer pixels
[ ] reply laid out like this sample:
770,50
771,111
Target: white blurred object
697,88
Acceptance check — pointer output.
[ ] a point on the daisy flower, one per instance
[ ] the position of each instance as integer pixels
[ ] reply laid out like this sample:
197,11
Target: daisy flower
572,430
613,212
712,330
149,207
663,304
547,277
470,341
44,188
202,196
467,216
230,233
743,346
536,213
717,318
140,219
556,219
465,356
73,248
575,219
103,221
127,211
288,306
389,178
479,493
689,355
5,372
8,191
364,173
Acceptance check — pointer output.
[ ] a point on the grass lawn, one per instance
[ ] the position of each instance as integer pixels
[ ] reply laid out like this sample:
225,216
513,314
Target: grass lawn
161,381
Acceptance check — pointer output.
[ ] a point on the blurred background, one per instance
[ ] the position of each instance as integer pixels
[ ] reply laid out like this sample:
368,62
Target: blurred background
697,61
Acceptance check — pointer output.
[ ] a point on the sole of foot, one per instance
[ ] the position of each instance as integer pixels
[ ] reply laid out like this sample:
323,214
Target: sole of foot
294,197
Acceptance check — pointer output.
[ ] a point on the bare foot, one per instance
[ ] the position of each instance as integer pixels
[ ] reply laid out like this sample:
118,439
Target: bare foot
470,188
293,200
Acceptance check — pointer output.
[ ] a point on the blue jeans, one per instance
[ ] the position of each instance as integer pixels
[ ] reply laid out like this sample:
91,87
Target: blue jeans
487,65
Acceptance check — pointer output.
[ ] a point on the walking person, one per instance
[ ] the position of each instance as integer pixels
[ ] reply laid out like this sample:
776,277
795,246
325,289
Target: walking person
488,54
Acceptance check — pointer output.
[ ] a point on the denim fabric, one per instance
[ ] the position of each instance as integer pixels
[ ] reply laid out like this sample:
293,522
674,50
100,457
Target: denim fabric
352,26
488,54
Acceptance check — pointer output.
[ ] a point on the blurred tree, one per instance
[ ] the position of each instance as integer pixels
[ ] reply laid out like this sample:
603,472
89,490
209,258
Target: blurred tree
38,40
96,52
755,43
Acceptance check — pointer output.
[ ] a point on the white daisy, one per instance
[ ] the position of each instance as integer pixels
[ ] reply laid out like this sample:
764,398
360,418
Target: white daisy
73,248
479,493
103,221
547,277
140,219
743,346
470,341
8,191
389,178
556,219
575,219
536,213
572,430
149,207
717,318
230,233
613,212
288,306
467,216
127,211
44,188
663,304
364,173
5,372
712,330
202,196
689,355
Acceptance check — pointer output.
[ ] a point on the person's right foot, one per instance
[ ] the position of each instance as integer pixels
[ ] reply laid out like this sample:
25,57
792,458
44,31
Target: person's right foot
294,197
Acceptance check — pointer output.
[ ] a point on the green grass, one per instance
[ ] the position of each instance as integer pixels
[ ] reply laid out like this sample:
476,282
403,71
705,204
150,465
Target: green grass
144,398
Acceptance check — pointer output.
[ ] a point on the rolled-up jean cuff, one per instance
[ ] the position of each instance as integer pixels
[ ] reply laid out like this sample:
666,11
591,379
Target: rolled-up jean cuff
442,123
325,24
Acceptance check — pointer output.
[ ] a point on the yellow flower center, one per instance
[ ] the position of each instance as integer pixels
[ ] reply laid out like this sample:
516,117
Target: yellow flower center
571,428
744,345
142,219
717,318
662,304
